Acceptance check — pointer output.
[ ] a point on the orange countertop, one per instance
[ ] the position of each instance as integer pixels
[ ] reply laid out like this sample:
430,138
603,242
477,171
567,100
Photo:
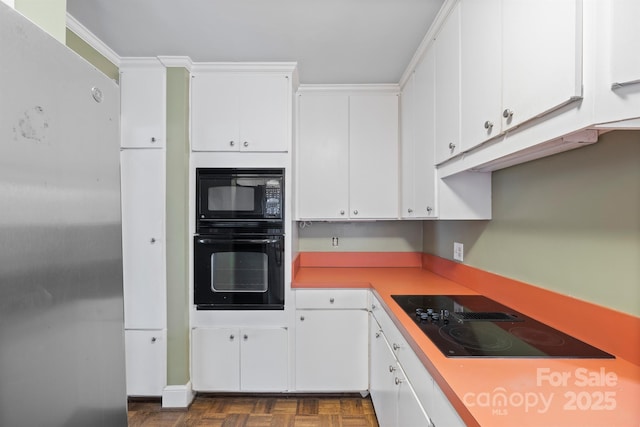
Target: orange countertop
494,391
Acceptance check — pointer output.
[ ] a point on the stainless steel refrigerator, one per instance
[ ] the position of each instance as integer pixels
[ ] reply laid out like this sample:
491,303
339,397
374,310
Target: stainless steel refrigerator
62,360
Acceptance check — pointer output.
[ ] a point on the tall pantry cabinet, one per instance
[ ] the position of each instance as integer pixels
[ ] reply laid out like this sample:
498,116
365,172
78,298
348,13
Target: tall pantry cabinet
142,168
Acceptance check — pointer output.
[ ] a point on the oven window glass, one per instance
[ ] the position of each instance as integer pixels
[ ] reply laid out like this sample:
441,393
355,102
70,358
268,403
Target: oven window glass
239,272
231,198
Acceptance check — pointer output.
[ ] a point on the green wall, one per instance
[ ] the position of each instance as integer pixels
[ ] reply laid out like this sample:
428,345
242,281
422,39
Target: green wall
50,15
177,226
569,223
83,49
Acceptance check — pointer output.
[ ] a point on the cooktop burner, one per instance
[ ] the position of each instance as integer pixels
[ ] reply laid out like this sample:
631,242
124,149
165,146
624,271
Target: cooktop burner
476,326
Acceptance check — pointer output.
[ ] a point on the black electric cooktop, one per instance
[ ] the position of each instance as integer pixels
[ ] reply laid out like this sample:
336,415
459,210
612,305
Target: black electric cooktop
476,326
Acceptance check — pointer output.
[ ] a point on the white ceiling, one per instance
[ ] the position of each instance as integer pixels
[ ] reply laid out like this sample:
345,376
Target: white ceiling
333,41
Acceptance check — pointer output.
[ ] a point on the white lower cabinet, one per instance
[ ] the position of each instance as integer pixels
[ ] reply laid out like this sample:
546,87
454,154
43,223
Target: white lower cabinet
146,362
410,410
239,359
381,386
394,399
403,392
331,340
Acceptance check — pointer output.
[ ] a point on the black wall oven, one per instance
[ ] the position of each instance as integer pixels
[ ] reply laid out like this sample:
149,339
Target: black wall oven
239,242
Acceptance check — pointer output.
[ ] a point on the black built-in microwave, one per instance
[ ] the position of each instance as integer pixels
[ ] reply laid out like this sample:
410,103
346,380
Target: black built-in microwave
235,196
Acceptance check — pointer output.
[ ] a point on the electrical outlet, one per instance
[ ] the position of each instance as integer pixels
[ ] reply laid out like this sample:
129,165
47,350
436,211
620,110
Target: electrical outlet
334,241
458,251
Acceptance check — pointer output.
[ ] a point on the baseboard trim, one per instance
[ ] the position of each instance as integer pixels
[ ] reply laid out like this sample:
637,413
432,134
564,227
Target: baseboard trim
178,396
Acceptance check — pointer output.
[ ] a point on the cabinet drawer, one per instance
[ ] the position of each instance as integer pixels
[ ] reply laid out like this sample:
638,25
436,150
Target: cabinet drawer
333,298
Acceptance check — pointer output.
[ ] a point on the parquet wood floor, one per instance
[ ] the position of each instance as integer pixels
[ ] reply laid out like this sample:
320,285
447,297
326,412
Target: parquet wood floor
258,411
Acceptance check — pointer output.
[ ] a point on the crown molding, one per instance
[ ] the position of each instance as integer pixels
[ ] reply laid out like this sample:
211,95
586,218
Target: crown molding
81,31
392,88
176,61
140,62
275,67
428,39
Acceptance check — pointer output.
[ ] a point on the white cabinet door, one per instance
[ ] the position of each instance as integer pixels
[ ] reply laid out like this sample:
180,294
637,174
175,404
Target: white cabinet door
383,391
323,156
625,42
143,213
442,412
480,71
373,156
215,112
146,362
264,361
331,350
240,111
447,51
407,142
410,410
347,157
542,57
215,359
418,142
264,112
142,106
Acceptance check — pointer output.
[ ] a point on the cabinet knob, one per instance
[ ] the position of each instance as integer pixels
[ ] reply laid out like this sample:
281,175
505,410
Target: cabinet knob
392,368
377,334
355,212
153,139
452,146
152,240
396,346
507,113
429,209
245,337
246,143
373,306
410,210
488,125
302,318
397,381
232,143
342,212
232,337
154,339
332,300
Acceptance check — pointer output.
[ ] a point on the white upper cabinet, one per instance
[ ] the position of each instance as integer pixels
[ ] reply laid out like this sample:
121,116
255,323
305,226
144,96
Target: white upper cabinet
373,156
418,138
323,156
347,155
240,111
624,42
618,97
447,52
143,104
541,57
520,59
481,71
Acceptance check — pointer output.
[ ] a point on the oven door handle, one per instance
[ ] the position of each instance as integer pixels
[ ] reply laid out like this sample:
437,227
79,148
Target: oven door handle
242,241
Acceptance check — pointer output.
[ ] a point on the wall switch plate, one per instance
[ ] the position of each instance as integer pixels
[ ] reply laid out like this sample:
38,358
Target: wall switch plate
458,251
334,241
